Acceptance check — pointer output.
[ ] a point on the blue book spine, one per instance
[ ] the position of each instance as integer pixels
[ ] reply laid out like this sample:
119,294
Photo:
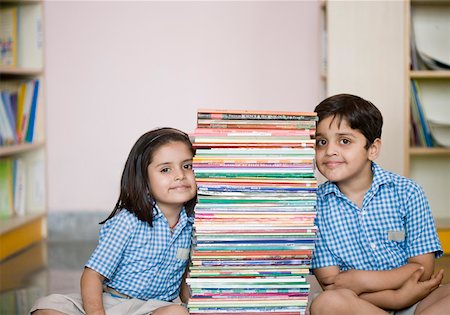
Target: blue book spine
30,130
423,120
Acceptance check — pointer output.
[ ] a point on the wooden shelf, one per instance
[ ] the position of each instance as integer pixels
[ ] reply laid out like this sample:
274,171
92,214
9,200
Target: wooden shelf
20,1
443,227
443,223
417,151
20,148
430,2
17,233
24,72
429,74
10,224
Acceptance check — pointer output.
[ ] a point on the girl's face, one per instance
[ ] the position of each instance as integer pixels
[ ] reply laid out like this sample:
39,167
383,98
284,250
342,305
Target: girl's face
170,176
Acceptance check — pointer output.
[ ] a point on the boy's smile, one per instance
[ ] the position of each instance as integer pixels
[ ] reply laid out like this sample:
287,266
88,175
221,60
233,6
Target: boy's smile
341,155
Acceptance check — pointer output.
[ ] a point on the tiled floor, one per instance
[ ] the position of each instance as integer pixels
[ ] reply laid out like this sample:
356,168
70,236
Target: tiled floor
56,268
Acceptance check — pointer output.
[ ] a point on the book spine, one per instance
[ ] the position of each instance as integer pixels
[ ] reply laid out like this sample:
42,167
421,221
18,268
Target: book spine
30,130
224,116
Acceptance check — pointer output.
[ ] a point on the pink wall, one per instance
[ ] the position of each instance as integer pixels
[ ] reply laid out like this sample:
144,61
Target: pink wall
117,69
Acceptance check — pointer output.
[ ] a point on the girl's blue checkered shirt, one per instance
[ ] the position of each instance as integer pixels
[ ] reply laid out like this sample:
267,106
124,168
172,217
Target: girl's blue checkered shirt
141,261
394,224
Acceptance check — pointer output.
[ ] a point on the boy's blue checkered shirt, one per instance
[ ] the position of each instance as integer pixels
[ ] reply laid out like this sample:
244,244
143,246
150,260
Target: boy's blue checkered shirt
141,261
370,238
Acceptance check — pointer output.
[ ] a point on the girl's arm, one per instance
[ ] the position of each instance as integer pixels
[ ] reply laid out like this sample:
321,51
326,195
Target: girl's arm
92,292
184,288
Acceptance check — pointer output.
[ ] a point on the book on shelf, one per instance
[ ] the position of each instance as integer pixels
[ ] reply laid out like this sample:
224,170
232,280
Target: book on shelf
30,36
19,180
8,37
29,134
12,187
21,36
19,112
429,42
420,125
432,63
6,131
441,132
6,188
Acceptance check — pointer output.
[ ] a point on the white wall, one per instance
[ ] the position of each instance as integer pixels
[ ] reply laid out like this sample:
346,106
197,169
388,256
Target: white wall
366,57
117,69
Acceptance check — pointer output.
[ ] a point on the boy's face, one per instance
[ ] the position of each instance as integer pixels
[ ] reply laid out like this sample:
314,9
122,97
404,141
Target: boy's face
341,155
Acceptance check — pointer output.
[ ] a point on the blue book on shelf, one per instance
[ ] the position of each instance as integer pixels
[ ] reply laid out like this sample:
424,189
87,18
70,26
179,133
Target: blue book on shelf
31,122
9,114
423,119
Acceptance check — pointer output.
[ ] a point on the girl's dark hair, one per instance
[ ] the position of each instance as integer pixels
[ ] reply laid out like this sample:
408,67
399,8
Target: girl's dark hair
134,195
359,113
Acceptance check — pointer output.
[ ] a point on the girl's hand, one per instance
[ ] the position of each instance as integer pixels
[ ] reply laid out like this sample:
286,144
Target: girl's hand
414,290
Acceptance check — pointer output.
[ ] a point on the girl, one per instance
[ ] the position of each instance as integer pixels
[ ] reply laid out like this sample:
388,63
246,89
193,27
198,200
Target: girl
140,261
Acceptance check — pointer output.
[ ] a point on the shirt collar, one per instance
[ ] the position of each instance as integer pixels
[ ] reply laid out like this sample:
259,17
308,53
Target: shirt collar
158,215
380,177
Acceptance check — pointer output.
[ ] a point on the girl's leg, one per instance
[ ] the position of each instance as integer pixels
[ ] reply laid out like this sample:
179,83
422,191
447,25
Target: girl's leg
171,310
343,301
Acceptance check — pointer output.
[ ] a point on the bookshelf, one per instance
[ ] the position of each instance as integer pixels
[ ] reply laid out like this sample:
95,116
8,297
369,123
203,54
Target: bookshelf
368,54
24,215
427,24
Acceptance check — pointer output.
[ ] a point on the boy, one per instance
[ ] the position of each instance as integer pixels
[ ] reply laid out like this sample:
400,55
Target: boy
376,241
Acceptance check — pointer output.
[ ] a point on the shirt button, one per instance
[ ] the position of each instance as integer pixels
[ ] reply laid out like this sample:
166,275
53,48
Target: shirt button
373,245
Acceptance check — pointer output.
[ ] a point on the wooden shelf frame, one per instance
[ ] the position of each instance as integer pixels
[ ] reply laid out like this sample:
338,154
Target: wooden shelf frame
430,74
13,71
20,148
418,151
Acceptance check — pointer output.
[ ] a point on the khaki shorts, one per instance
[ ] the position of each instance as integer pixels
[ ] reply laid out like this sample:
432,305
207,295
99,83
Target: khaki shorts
72,304
406,311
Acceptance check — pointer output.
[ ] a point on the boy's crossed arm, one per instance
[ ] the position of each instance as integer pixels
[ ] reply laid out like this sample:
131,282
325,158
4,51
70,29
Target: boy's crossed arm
390,289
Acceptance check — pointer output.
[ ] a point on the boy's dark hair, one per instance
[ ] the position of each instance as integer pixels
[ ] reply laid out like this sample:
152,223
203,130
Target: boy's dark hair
359,113
134,195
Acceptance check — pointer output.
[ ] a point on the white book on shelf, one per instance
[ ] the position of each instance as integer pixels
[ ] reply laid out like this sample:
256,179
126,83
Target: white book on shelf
35,181
19,186
431,27
30,36
6,130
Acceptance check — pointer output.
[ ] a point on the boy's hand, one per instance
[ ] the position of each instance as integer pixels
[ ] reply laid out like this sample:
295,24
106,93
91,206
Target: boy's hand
414,290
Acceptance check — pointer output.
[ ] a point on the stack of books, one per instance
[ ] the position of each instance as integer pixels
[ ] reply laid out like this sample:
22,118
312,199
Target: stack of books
254,221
